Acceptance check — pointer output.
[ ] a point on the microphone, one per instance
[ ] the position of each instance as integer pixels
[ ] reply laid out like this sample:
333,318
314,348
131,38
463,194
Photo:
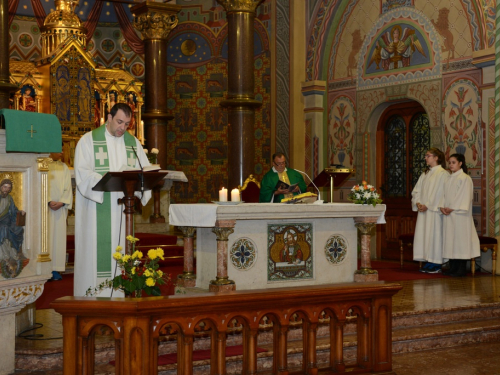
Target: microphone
319,201
142,171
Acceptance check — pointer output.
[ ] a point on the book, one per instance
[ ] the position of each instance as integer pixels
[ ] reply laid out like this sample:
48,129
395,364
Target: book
284,185
149,168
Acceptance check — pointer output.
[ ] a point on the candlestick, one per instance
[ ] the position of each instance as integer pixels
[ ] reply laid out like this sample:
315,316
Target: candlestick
223,195
235,195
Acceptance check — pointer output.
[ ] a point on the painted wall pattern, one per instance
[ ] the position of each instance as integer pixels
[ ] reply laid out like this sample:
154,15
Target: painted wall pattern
341,130
197,83
462,120
107,45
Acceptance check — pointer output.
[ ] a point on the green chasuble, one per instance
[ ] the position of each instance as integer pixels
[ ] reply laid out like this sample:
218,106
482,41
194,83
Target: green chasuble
267,186
103,211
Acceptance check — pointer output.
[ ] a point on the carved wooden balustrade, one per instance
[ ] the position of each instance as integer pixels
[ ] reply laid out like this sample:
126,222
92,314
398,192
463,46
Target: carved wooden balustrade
137,326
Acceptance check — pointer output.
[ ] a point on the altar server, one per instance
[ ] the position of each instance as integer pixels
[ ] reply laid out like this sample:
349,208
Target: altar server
60,201
426,197
99,219
461,242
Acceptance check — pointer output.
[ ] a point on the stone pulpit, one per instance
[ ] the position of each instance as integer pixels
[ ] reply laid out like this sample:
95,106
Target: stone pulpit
25,265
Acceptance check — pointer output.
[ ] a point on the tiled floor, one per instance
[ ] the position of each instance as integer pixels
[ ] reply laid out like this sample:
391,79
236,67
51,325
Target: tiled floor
420,295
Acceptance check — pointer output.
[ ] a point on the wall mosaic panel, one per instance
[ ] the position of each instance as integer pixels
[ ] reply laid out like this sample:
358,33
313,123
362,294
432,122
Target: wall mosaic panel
336,249
290,252
243,254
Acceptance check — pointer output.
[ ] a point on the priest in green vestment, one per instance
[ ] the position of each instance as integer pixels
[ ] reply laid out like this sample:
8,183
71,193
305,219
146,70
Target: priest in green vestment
279,172
99,219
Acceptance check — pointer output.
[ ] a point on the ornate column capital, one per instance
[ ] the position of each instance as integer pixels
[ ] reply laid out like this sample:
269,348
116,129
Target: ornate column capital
155,20
365,228
188,231
222,233
240,5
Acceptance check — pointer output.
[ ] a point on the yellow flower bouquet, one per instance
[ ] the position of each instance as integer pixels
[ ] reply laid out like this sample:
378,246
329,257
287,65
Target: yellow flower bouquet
139,273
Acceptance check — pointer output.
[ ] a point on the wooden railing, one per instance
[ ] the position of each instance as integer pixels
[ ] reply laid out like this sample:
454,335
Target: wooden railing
137,325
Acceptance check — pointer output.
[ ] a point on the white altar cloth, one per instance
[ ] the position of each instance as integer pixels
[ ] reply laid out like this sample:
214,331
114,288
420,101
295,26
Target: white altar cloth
254,221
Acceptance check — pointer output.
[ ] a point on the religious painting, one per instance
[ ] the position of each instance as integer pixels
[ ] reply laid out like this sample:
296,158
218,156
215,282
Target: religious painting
12,222
341,132
27,102
62,94
399,47
290,255
462,119
84,102
131,100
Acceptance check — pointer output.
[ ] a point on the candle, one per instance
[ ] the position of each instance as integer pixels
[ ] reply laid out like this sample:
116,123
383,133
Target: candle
102,120
235,195
223,195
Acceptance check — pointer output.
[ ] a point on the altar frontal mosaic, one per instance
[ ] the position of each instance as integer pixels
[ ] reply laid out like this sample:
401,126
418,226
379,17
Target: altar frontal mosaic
289,252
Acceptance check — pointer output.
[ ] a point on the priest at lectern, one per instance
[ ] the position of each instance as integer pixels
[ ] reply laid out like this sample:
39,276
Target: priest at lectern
99,219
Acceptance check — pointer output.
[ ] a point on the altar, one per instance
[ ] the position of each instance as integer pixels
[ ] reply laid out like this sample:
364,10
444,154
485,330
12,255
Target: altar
269,245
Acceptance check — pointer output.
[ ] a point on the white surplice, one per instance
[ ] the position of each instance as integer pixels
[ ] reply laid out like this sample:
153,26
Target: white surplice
429,191
60,190
85,208
460,236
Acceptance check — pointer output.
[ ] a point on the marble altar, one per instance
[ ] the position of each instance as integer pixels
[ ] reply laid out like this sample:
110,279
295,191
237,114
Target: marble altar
264,245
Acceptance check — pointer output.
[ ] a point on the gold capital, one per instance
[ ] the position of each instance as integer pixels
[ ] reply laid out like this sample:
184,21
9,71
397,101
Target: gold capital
188,232
222,233
240,5
365,228
155,25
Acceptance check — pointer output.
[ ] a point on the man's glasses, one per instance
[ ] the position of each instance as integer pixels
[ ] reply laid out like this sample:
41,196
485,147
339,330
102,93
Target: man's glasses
283,163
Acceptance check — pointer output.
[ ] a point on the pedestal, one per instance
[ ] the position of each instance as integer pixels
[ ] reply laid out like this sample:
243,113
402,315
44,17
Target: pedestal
188,277
365,226
223,228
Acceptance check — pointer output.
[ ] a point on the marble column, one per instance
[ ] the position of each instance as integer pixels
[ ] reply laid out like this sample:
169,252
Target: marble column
222,229
155,21
188,277
5,86
240,101
365,226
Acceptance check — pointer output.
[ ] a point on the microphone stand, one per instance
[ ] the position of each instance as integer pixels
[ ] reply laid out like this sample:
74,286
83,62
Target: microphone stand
318,201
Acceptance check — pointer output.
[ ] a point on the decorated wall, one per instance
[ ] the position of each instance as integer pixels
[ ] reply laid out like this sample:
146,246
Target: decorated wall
377,52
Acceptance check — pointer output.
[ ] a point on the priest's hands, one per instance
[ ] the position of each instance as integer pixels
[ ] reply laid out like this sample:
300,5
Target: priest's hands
55,205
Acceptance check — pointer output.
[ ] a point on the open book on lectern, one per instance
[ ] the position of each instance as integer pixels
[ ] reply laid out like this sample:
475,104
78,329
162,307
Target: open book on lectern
149,168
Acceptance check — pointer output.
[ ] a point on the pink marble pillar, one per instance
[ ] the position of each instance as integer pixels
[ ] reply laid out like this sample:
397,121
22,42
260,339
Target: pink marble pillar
188,278
222,229
365,225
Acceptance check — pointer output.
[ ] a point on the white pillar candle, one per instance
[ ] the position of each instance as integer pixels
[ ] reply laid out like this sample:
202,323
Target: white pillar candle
235,195
223,195
102,120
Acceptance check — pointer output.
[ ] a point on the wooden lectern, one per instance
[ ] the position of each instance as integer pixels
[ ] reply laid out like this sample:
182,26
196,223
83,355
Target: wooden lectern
129,182
332,176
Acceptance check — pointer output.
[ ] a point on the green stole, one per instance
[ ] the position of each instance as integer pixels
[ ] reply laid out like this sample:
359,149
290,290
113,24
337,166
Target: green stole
103,211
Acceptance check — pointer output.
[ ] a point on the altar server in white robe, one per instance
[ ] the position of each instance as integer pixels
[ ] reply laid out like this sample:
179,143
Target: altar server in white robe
60,201
426,198
461,242
99,220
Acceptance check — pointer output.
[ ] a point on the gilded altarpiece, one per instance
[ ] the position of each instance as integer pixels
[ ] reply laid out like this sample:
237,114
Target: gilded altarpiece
72,88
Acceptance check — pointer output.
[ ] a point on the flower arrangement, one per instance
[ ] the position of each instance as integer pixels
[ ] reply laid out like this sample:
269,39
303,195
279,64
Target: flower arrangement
364,194
138,273
153,155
